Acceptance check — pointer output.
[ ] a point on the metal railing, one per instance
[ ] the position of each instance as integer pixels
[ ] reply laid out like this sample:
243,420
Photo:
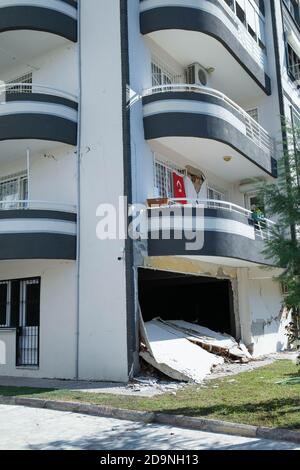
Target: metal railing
14,88
36,205
262,226
253,129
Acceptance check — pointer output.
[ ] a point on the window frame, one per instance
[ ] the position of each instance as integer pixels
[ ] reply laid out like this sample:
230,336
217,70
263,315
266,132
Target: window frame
22,300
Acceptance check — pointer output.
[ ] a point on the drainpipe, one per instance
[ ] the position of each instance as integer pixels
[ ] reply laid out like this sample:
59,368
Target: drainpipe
77,333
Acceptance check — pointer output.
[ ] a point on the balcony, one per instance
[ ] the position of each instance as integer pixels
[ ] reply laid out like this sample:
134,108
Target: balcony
207,127
210,33
32,29
230,235
58,17
37,230
37,112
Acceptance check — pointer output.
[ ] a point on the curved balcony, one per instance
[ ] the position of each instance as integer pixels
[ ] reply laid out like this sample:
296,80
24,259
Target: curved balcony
37,230
31,111
226,233
58,17
206,126
208,32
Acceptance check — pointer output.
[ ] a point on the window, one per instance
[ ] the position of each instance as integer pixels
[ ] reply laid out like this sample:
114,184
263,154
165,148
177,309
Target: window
162,75
4,314
19,303
240,11
214,194
163,178
24,84
13,188
293,63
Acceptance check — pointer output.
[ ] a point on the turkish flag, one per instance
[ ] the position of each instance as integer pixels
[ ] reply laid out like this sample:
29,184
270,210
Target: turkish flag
179,188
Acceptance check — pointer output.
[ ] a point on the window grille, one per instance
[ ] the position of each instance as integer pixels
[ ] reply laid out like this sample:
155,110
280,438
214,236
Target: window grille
23,84
163,75
13,188
215,195
163,177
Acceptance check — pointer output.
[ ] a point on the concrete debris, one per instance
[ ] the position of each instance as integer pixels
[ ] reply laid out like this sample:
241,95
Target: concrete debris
217,343
170,351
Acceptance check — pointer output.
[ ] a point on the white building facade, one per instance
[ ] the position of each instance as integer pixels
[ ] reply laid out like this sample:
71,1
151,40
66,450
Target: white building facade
107,99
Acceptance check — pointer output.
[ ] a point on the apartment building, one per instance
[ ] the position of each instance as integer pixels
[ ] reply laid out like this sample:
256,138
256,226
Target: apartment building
107,99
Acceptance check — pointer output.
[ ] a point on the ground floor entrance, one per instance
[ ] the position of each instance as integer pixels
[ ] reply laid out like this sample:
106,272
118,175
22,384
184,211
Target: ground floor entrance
206,301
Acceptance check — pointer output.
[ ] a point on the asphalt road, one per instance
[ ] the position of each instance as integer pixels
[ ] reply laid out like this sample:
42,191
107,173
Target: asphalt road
37,429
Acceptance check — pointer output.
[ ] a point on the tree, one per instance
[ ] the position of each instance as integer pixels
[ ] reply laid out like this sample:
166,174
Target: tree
282,199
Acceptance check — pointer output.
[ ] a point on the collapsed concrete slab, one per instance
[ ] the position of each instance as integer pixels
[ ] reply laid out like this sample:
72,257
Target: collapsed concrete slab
217,343
172,353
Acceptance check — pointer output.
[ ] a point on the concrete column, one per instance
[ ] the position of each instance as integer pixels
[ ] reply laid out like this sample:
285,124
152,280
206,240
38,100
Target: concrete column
244,305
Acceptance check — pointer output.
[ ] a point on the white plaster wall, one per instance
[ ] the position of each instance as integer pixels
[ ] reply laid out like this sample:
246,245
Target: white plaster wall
103,320
57,317
53,176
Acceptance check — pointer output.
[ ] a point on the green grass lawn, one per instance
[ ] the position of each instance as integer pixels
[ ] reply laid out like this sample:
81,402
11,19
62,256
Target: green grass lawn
250,398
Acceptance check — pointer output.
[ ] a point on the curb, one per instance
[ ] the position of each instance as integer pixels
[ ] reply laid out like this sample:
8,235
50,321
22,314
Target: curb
180,421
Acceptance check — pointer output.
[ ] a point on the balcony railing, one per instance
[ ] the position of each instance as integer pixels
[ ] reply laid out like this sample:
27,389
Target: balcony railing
37,205
262,226
14,88
254,130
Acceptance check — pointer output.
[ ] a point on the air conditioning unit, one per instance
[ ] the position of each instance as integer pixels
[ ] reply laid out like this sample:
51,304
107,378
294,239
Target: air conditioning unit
197,75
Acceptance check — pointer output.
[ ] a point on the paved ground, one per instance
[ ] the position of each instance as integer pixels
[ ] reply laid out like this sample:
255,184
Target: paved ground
36,429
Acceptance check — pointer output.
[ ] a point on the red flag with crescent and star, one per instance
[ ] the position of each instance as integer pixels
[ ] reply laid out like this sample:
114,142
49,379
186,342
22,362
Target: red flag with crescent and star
179,188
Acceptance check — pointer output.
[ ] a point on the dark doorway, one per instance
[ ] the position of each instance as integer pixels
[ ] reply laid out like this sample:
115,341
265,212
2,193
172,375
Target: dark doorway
174,296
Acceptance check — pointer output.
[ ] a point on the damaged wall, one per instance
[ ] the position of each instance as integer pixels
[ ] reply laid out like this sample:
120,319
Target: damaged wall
268,318
257,299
